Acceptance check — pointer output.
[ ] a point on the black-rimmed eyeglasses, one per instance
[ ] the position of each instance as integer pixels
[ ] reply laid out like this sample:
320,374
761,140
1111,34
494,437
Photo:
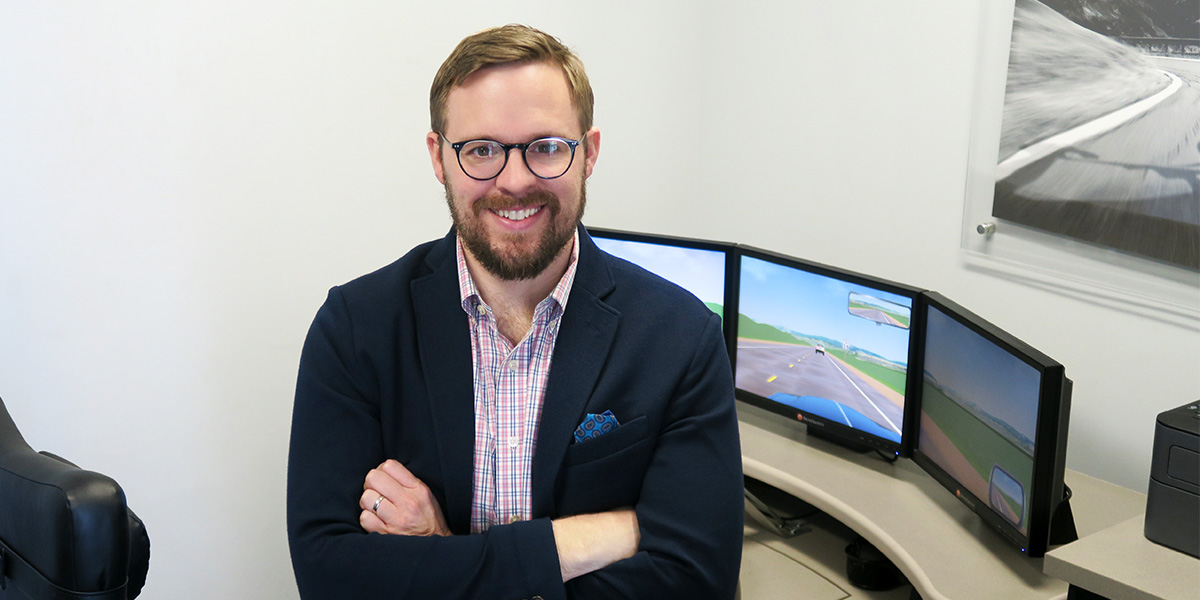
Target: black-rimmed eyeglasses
547,158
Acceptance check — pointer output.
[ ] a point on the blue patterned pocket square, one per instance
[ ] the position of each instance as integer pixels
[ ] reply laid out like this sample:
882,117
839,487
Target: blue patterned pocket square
594,425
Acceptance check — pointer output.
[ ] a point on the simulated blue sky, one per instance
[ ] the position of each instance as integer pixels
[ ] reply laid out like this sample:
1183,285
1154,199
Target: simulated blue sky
817,305
986,374
701,272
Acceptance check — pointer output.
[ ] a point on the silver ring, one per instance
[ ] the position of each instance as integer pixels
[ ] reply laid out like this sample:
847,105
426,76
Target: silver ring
375,508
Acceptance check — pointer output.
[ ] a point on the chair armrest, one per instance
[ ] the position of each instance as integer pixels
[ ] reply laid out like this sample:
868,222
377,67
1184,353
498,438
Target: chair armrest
68,523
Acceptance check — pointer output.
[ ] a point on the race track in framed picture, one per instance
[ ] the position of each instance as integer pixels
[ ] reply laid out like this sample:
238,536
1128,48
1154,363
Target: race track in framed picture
1085,153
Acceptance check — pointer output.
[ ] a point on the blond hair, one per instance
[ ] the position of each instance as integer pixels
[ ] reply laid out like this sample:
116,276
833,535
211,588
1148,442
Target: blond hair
510,44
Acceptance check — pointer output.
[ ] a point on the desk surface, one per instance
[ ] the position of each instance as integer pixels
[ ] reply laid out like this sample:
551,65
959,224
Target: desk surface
944,549
1121,564
809,566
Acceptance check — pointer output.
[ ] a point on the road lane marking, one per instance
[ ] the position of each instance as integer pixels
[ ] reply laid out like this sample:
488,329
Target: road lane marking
1035,152
865,396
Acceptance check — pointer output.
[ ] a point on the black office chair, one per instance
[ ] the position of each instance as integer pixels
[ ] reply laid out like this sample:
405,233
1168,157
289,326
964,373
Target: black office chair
65,533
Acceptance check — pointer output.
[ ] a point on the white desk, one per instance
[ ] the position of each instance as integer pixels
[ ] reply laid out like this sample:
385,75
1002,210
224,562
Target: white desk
1119,563
943,548
810,566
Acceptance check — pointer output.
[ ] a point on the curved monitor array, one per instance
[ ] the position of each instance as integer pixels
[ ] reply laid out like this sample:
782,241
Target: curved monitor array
878,365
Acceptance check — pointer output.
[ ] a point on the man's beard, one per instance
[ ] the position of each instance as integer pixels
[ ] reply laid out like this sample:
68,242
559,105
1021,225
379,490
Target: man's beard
516,264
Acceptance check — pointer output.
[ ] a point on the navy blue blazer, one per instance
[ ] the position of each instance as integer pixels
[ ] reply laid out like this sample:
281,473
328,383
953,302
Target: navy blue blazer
386,373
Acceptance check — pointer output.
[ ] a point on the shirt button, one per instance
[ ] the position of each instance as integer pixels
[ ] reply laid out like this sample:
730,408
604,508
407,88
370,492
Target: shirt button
512,365
513,441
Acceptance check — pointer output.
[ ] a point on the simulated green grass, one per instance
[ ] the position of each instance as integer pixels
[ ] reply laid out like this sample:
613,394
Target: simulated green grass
749,328
890,377
978,443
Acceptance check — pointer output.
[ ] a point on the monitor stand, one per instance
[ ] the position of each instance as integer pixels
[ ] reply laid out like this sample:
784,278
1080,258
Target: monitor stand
786,514
1062,522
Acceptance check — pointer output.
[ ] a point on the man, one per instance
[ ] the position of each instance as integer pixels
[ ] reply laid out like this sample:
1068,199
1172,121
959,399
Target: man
509,412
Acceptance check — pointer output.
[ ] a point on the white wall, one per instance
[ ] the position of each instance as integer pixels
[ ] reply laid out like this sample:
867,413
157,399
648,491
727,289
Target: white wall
181,182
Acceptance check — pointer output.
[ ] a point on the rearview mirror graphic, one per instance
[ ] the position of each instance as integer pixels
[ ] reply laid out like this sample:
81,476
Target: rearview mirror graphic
1006,496
878,310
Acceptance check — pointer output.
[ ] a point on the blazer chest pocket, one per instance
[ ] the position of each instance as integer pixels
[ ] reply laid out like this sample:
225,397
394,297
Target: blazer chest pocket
606,472
608,444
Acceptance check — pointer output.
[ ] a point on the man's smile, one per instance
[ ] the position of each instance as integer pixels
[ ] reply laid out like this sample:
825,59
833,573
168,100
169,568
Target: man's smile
518,214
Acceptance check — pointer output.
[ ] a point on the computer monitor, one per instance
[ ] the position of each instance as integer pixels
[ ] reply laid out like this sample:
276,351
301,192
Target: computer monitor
698,266
992,424
827,347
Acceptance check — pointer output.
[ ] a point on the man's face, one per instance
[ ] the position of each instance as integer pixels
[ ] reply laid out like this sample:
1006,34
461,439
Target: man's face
516,224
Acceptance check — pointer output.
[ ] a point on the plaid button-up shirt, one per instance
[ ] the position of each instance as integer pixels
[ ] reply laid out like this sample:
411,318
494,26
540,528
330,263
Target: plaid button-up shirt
510,385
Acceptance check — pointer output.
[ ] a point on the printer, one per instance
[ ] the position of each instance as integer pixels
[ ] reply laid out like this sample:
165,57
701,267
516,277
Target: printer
1173,498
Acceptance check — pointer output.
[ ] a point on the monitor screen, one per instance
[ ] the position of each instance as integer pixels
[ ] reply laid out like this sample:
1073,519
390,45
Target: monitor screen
825,346
698,266
992,422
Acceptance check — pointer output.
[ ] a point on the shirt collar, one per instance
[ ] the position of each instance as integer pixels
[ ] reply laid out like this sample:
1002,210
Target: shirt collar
473,303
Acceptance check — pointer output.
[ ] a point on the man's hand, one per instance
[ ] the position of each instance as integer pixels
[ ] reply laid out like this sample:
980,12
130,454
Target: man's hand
585,543
407,506
590,542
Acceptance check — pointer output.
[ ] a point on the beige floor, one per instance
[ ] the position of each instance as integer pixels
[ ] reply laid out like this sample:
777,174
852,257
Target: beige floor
810,566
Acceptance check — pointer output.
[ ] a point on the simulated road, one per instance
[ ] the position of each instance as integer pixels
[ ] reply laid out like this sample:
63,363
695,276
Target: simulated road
767,369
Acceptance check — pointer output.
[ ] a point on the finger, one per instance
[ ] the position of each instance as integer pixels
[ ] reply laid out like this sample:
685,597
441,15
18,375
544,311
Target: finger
368,499
402,504
371,522
379,471
386,485
401,474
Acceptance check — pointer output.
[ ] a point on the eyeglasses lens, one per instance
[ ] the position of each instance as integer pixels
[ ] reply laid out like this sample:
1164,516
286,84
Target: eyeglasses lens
547,158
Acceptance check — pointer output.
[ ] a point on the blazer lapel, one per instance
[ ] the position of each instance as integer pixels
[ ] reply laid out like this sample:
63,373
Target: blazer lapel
585,335
444,343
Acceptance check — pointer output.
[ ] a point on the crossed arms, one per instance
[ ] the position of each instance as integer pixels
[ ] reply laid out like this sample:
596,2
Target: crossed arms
395,502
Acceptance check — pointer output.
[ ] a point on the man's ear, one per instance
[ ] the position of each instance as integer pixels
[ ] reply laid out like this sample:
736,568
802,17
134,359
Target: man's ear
592,150
434,142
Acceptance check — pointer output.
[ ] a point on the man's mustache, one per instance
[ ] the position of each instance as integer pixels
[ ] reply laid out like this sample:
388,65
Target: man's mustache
507,202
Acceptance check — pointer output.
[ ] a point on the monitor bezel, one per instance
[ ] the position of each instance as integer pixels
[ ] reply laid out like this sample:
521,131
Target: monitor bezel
1047,487
729,318
817,425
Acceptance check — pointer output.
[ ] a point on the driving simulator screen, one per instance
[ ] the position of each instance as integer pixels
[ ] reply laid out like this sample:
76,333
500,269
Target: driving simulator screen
697,270
824,345
979,410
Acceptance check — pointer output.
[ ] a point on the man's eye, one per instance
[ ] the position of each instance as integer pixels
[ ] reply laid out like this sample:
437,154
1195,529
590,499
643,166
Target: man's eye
546,147
481,151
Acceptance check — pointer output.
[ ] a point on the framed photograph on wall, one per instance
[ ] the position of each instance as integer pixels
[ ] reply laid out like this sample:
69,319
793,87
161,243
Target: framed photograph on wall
1085,155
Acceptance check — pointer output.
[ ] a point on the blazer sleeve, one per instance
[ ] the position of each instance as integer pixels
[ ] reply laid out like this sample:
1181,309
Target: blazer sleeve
336,438
691,508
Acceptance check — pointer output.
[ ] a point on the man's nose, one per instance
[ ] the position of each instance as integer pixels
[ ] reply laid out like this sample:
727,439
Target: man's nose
516,175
